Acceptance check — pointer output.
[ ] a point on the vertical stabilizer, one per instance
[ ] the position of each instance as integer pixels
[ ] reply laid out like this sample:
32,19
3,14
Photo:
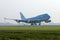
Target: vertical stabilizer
22,16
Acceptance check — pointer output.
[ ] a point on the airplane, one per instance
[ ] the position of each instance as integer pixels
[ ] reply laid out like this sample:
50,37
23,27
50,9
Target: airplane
33,20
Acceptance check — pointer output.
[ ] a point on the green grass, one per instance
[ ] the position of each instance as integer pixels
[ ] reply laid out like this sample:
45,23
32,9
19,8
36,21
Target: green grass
56,28
29,35
51,33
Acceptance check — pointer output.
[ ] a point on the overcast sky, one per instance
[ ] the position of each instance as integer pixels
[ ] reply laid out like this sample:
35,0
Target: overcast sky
30,8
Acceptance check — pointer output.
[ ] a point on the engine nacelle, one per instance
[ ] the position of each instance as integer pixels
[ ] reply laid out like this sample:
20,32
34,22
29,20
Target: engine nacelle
48,21
18,21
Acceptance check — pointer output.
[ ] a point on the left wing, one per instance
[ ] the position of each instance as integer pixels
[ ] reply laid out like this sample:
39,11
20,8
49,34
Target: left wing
17,20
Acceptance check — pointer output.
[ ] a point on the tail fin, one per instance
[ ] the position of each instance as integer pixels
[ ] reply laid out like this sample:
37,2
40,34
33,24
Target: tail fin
22,16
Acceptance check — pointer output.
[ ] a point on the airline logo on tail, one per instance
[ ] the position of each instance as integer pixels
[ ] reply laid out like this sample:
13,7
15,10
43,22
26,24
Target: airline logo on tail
22,16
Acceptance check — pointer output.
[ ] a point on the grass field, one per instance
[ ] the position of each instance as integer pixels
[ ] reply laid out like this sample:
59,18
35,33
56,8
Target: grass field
46,27
29,35
43,33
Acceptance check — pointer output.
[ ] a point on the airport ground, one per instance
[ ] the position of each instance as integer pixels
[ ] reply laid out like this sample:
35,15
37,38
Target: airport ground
30,32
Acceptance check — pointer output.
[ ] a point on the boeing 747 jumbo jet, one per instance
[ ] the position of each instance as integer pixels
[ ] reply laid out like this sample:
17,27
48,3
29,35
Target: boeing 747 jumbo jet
34,20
